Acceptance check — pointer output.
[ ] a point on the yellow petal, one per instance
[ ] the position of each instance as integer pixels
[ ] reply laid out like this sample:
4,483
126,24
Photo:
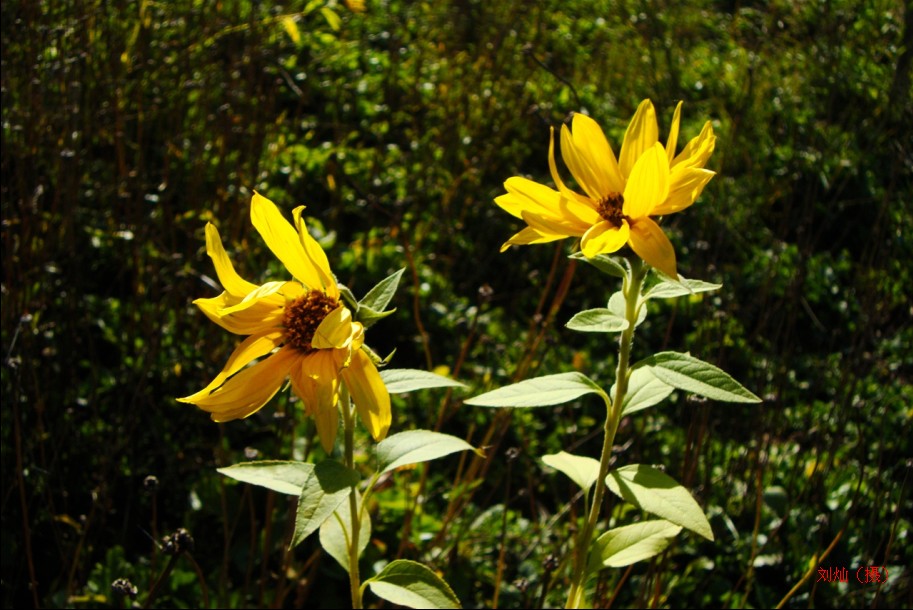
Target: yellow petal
316,381
283,240
685,187
550,226
698,150
604,237
593,148
335,330
526,195
553,168
588,177
316,255
650,243
672,142
648,184
641,135
529,236
259,317
246,392
230,280
268,293
369,393
255,346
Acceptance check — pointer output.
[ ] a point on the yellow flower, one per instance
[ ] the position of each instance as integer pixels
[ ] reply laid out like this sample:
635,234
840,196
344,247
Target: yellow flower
299,329
622,195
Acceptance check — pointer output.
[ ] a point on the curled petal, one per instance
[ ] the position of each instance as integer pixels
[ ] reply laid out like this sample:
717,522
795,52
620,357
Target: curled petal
267,294
316,255
283,240
686,186
255,346
259,317
228,277
641,135
648,184
316,381
335,331
589,177
372,400
672,142
604,237
246,392
697,152
652,245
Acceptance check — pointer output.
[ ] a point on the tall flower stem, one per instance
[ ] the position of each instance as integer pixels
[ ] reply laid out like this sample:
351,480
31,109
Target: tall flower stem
631,289
348,420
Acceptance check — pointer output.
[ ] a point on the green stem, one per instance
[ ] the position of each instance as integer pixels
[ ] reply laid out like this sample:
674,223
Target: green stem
631,290
348,420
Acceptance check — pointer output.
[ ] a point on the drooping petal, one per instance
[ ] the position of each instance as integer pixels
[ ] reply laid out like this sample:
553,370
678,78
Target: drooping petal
316,381
650,243
685,187
335,330
283,240
589,177
246,392
529,236
372,400
259,317
672,142
604,237
255,346
648,184
228,277
316,255
641,135
593,148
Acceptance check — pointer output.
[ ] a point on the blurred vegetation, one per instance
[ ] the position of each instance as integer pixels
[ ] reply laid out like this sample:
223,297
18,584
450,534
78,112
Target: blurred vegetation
128,125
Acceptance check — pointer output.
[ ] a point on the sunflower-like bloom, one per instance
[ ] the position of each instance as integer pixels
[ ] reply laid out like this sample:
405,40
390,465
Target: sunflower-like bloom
298,329
622,195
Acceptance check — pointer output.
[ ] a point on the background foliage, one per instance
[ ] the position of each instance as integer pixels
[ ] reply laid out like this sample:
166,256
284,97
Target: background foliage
128,125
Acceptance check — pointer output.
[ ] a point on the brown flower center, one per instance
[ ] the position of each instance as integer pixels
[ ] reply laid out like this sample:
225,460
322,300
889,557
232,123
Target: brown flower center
303,316
611,207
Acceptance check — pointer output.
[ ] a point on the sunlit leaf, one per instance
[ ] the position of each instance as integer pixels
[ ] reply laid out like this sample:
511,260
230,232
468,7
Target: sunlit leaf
582,470
600,320
415,446
284,477
336,532
687,373
539,392
411,584
668,289
323,491
629,544
644,391
400,381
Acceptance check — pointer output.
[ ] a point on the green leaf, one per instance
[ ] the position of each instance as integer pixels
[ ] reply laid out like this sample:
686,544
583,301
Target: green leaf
618,307
656,492
599,320
687,373
667,289
540,392
282,476
409,583
332,18
400,381
644,390
415,446
616,266
623,546
336,532
371,308
582,470
379,297
323,491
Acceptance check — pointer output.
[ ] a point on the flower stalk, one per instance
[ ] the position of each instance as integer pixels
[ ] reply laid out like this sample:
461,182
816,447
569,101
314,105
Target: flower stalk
348,420
631,289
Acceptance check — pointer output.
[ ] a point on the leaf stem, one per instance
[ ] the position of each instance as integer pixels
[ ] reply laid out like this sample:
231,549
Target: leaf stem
631,288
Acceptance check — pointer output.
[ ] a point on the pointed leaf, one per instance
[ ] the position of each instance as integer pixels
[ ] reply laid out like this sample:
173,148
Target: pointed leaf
600,320
687,373
415,446
323,491
284,477
644,390
623,546
369,317
668,289
379,297
400,381
616,266
540,392
411,584
336,532
656,492
582,470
